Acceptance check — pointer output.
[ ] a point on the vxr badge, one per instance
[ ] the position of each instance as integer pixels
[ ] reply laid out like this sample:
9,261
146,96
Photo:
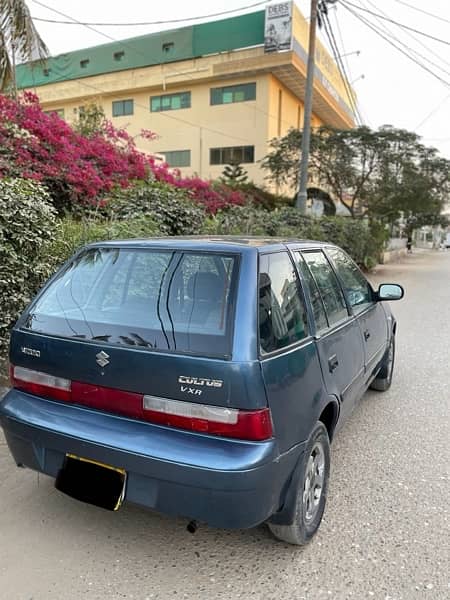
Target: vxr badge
102,359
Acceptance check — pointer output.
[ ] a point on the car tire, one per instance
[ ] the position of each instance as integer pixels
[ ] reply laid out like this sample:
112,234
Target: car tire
383,380
311,491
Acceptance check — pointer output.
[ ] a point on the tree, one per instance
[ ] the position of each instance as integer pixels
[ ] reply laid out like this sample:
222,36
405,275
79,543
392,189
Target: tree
234,173
91,120
372,173
19,39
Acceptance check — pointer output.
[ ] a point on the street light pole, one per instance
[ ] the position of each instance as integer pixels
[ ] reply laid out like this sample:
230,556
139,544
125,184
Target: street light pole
304,158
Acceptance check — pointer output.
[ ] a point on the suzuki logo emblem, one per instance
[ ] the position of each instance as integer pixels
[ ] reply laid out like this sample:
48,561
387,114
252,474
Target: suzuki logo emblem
102,359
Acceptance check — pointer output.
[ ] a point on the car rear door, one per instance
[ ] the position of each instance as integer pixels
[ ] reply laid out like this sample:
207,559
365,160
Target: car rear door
369,313
338,336
289,361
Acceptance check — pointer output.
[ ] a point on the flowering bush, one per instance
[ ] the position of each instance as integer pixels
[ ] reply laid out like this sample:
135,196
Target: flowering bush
77,168
74,168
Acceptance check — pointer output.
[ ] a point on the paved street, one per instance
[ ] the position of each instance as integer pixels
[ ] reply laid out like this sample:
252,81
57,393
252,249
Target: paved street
386,530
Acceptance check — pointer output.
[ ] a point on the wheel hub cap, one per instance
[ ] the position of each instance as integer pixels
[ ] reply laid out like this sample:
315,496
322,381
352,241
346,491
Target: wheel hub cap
314,479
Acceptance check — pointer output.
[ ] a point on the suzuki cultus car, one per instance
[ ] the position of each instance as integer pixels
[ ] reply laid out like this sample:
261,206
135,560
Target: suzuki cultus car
203,378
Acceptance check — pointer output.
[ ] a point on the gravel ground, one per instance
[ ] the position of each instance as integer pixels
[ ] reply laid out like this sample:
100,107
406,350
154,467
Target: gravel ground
385,533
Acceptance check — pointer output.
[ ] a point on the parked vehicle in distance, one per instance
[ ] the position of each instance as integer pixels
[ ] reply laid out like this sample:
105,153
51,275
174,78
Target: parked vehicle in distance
201,377
447,241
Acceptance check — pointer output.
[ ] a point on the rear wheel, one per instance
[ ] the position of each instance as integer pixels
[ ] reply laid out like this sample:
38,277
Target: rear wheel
311,492
383,380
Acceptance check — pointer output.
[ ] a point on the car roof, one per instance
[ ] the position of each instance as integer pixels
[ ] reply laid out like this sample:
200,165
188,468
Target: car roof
214,243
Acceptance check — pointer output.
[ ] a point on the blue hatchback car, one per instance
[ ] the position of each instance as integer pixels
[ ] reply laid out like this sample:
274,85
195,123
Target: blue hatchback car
201,377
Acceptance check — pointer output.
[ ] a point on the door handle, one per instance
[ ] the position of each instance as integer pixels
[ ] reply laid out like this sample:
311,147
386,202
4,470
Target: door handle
366,334
333,363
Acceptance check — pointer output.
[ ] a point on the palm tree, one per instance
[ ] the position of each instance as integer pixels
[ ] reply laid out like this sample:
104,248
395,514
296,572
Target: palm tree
19,40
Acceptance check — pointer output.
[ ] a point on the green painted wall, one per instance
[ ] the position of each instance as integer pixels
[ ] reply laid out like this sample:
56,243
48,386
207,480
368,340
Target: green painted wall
153,49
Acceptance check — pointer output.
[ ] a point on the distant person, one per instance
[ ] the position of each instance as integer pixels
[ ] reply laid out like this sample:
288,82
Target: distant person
409,245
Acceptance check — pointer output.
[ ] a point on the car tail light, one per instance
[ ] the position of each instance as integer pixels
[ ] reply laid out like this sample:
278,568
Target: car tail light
255,425
41,384
216,420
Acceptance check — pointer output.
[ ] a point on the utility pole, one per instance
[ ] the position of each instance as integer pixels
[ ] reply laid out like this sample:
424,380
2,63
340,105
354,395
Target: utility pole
14,78
300,202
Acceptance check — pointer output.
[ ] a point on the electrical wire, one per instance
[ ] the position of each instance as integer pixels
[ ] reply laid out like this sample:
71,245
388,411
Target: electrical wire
389,41
432,112
432,37
408,48
425,12
341,67
346,61
142,23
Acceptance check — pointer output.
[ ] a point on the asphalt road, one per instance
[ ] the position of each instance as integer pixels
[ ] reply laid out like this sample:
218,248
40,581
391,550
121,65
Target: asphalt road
385,533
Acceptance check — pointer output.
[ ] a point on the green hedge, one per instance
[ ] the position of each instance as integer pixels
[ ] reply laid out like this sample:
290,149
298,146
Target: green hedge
363,241
172,209
27,224
72,234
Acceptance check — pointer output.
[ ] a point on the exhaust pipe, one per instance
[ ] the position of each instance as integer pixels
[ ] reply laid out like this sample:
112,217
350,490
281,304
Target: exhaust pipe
192,526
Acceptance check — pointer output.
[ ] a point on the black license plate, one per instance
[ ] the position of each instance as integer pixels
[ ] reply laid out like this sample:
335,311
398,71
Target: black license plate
92,482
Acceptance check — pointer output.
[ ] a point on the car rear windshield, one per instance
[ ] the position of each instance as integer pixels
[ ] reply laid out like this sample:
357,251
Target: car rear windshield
156,299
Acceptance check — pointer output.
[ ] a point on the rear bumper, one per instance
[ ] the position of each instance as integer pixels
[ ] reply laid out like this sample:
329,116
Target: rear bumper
223,482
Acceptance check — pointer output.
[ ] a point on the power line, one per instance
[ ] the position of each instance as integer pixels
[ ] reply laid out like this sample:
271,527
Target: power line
425,12
347,62
431,113
417,54
341,67
432,37
142,23
73,21
389,41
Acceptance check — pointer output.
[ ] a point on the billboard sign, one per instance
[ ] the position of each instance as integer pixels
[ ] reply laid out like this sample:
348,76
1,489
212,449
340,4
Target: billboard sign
278,27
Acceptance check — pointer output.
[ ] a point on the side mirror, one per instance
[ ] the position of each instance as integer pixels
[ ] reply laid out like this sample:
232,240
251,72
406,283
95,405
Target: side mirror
390,291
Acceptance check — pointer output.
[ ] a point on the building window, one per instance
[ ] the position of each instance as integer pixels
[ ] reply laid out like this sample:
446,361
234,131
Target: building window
119,55
120,108
233,93
170,102
84,63
168,47
232,155
58,111
178,158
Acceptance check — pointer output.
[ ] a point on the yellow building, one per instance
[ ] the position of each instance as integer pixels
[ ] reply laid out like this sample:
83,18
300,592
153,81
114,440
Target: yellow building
214,93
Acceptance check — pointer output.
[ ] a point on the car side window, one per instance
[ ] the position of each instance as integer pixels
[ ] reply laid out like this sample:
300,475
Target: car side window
328,285
282,314
357,289
320,317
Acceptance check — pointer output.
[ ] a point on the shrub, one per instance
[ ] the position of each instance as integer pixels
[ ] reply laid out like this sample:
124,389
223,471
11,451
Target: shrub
74,233
27,224
171,208
363,242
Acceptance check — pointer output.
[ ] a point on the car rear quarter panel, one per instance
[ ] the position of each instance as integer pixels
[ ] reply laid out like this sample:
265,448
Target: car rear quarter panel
295,391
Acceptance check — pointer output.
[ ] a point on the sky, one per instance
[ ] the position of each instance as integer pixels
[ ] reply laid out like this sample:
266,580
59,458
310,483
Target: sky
391,89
